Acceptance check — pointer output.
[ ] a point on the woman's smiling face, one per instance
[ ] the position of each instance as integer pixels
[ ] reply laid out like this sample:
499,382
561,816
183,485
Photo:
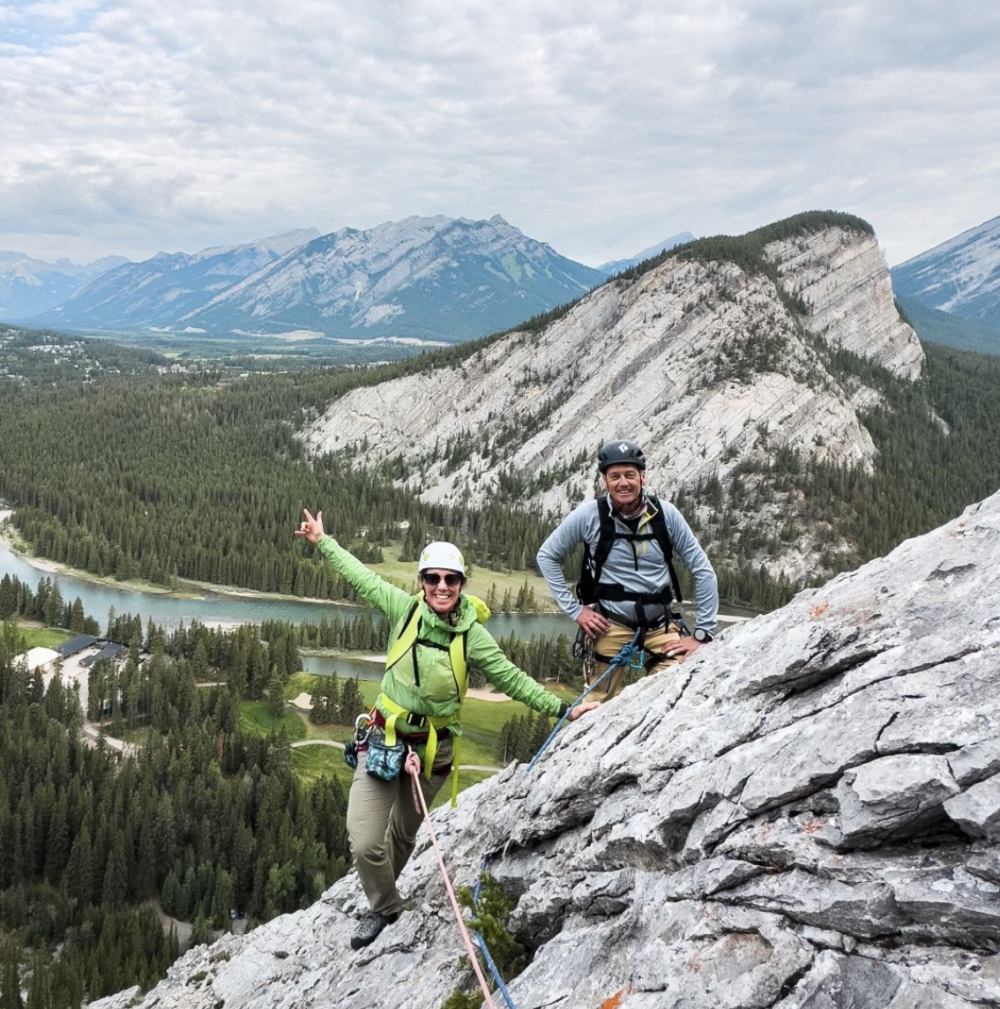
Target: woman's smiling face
441,589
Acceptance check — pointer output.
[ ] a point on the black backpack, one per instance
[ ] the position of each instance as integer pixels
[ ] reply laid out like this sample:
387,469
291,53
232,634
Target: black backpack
590,590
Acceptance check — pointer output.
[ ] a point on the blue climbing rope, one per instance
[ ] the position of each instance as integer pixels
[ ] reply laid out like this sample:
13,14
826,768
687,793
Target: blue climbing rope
501,987
623,658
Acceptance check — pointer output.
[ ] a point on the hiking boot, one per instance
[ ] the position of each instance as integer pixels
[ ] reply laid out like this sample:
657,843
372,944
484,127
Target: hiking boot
370,928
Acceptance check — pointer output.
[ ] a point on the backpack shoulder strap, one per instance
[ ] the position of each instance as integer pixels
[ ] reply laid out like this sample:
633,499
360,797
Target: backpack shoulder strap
407,636
605,538
408,639
659,525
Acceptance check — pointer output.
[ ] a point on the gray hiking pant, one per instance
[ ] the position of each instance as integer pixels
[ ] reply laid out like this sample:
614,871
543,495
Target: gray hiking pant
382,823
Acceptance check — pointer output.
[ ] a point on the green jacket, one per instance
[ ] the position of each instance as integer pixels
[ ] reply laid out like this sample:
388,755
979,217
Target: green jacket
437,693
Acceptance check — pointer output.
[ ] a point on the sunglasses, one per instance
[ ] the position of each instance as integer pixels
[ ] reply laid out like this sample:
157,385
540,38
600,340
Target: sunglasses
451,579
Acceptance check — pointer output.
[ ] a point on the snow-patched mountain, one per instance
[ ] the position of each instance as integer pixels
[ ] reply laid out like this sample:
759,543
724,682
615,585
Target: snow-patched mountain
425,277
617,265
705,362
156,292
29,286
960,276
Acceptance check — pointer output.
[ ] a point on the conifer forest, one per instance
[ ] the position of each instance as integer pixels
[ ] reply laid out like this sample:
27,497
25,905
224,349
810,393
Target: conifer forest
115,466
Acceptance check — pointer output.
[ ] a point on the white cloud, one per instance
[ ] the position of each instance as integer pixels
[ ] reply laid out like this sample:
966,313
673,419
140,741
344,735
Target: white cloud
133,126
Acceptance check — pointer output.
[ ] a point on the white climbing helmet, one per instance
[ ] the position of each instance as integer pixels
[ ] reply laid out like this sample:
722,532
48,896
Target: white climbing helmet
442,555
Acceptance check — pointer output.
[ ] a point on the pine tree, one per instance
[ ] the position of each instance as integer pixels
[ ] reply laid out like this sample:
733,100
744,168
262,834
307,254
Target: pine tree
10,981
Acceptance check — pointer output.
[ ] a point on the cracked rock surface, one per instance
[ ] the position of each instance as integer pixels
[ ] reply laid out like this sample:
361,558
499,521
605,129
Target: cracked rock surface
803,816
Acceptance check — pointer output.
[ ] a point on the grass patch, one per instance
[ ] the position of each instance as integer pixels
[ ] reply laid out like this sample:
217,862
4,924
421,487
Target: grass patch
311,763
256,718
43,637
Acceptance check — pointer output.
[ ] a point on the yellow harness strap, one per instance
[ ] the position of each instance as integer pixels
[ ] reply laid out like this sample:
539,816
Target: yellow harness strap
428,722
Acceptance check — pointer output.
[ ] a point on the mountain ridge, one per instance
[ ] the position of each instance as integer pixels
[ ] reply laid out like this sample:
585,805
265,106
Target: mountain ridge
432,278
29,286
704,361
960,276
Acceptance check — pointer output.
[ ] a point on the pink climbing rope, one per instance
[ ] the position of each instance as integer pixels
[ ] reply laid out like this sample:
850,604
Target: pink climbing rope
413,769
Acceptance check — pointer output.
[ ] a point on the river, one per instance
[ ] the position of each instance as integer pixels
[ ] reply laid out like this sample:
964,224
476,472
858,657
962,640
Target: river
170,611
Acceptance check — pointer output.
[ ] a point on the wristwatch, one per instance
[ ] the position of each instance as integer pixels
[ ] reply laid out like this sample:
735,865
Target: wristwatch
702,636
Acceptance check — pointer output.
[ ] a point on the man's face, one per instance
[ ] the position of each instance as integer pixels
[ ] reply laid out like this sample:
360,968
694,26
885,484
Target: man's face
625,483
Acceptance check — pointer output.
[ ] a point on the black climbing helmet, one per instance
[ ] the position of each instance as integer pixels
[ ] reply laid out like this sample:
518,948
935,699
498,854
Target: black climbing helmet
617,453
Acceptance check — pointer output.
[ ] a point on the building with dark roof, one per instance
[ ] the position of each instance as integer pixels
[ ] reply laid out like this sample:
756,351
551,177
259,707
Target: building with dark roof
74,645
109,651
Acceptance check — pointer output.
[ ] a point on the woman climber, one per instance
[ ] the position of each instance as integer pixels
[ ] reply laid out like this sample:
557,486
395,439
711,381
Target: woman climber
430,638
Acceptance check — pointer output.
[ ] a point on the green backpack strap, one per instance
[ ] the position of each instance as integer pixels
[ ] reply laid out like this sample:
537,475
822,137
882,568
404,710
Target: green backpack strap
409,635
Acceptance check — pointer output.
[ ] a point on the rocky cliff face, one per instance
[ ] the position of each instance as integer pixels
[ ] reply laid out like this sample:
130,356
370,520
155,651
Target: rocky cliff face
848,289
805,815
702,363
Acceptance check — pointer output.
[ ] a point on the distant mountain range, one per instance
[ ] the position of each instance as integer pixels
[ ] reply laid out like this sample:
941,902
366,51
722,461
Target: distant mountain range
957,280
617,265
30,286
425,278
428,278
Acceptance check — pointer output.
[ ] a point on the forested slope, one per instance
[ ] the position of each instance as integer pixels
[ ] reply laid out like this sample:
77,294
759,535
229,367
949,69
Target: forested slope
203,817
190,477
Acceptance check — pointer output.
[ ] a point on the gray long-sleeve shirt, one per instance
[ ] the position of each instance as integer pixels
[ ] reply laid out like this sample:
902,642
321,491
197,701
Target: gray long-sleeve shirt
638,568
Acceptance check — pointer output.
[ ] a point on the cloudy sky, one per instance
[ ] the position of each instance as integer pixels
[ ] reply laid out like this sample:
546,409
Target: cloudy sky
129,127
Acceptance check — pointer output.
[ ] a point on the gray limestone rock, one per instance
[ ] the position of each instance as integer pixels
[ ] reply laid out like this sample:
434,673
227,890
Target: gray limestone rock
802,815
882,796
977,809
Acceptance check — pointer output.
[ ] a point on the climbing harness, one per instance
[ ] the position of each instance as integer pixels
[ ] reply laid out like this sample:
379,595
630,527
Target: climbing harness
413,769
624,657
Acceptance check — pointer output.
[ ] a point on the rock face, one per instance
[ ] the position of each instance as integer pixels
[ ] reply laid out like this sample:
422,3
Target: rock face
849,291
803,816
702,363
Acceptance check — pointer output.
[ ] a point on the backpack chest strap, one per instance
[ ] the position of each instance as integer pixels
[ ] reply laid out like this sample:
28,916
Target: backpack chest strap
409,638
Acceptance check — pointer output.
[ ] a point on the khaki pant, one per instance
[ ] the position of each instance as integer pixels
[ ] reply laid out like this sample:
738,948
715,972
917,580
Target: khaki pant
657,642
382,823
